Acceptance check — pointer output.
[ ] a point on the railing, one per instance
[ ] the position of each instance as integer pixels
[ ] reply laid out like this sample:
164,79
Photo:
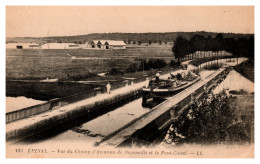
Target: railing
44,107
29,111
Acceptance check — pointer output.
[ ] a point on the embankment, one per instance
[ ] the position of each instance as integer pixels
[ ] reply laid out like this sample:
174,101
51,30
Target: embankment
23,128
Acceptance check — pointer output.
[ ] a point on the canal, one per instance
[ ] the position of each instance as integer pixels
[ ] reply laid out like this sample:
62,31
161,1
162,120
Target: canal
88,131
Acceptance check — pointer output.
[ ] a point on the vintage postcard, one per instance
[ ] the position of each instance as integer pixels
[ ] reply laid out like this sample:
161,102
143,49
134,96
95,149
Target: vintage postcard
130,82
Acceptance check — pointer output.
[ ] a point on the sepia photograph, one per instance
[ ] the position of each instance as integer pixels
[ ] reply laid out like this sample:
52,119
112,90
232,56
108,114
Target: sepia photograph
130,82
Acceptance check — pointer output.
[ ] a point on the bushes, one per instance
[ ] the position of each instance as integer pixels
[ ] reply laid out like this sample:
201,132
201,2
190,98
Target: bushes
115,71
174,63
214,119
152,64
158,63
144,65
132,68
246,69
79,77
240,92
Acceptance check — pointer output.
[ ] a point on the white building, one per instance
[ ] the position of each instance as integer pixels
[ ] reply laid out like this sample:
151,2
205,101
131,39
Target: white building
107,44
23,46
113,44
60,46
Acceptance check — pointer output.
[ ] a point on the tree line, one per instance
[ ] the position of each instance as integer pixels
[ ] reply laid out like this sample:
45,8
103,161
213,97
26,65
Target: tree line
238,47
143,37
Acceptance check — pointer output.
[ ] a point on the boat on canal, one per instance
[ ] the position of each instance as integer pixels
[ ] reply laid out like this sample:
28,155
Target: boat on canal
159,89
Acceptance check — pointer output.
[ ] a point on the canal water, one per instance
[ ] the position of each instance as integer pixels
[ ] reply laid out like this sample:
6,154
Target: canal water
16,103
91,131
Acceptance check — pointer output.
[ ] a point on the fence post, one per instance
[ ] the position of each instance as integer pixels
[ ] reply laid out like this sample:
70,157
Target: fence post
10,117
19,115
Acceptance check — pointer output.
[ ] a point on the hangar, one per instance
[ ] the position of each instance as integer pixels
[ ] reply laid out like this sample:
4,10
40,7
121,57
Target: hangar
23,46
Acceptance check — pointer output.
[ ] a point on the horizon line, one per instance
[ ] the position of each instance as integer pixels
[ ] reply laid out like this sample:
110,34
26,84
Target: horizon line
126,33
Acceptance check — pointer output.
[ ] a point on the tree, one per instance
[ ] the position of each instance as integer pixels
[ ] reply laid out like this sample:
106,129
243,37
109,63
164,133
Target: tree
229,45
198,43
219,42
181,48
251,48
240,47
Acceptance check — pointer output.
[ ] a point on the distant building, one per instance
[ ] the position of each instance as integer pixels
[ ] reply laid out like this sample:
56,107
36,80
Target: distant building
60,46
94,43
107,44
23,46
113,44
101,44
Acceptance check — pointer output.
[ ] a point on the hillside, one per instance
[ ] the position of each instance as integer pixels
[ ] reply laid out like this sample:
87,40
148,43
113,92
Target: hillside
144,37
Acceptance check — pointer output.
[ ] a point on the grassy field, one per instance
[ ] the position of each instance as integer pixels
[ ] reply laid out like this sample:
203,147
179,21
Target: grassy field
42,64
46,91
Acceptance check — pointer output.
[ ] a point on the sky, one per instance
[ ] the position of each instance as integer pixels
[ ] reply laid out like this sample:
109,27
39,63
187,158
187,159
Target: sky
42,21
